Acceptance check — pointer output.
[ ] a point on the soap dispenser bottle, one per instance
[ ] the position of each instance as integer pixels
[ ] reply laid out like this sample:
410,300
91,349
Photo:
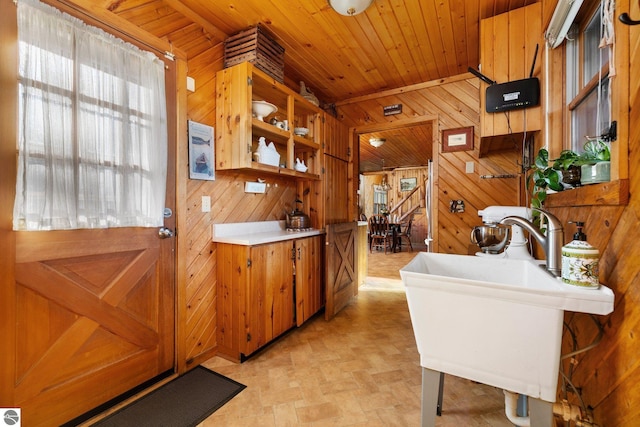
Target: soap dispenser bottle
580,261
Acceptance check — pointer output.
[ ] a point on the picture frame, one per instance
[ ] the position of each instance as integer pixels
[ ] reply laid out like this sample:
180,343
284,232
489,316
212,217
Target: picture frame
201,151
459,139
408,184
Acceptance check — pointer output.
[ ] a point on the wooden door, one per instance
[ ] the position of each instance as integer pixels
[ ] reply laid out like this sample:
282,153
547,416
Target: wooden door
336,204
309,288
269,302
337,138
93,312
342,274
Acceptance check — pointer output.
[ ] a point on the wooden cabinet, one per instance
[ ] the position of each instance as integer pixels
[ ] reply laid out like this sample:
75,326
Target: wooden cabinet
238,132
308,278
335,185
255,290
336,190
507,48
336,138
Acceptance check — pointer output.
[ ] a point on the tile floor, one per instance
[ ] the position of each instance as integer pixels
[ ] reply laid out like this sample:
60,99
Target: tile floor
359,369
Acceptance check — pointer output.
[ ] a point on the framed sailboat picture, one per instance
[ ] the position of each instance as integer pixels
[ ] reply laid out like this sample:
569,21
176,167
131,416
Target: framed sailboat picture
201,152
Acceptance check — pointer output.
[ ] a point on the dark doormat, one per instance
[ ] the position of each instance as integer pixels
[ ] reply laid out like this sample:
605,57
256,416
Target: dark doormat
184,401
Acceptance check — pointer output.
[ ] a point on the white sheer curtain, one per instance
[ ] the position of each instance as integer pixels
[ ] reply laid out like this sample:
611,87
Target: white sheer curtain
92,147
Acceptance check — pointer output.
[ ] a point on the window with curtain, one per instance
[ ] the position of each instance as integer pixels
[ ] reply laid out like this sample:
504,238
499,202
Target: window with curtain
588,95
92,138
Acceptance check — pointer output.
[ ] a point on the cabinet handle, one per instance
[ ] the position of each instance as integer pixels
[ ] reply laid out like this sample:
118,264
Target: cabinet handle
299,254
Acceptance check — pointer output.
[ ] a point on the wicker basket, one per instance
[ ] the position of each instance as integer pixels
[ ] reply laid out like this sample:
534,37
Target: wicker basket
257,46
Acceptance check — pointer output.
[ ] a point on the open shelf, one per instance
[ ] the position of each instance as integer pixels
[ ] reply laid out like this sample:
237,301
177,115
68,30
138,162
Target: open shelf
238,132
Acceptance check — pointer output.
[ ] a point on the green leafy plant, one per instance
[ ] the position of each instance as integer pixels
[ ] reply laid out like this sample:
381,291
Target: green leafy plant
547,174
567,159
595,150
542,176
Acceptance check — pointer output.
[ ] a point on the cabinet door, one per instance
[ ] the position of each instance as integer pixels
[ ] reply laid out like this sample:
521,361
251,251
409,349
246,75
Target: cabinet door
233,122
507,47
233,278
309,289
336,138
269,305
336,190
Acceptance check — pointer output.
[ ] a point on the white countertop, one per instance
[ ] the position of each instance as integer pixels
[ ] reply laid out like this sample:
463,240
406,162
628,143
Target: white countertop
257,233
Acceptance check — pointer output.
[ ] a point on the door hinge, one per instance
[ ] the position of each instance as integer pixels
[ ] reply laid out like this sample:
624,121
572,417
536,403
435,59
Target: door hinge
249,81
248,148
248,337
348,151
248,263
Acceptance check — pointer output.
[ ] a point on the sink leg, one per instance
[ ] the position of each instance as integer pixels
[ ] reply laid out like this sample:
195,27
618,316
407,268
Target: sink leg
432,388
440,393
540,413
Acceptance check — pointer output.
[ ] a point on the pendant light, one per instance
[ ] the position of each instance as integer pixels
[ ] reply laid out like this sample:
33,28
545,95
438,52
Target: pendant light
349,7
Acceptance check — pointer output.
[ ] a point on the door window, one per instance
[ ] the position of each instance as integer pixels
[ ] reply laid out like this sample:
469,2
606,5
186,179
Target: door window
92,138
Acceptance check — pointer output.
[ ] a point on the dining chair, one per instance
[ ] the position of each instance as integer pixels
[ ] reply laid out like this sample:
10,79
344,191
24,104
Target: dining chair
379,233
405,233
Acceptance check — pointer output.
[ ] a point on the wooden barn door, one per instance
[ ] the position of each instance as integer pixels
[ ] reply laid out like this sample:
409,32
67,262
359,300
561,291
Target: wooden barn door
94,312
342,274
341,258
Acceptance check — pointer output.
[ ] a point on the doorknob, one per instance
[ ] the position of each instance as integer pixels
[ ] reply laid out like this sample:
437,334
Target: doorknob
165,233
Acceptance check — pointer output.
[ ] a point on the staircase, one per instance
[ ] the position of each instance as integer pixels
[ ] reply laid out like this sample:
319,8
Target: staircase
404,209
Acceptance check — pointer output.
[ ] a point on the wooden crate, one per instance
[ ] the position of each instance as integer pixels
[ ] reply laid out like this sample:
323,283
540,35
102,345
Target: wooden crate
257,46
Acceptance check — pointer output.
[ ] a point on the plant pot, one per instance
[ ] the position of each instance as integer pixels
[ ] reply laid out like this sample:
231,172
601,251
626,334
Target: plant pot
595,173
571,176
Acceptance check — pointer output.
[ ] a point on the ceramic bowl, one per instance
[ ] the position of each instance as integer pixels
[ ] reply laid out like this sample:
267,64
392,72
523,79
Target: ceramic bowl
262,109
301,131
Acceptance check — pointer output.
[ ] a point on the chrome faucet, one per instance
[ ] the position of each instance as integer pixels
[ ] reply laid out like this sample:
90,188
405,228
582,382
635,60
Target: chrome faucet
551,243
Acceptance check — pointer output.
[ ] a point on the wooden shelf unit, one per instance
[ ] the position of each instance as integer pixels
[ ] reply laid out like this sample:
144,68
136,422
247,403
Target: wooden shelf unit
238,132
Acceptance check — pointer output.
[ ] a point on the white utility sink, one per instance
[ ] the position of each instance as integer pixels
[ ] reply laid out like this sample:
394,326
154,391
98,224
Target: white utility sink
494,320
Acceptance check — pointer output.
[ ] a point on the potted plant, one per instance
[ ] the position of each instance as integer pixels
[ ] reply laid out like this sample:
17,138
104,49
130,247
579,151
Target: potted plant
569,164
568,170
596,162
596,150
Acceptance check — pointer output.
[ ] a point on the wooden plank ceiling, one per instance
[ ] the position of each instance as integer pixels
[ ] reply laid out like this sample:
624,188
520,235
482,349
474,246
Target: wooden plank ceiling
403,147
394,43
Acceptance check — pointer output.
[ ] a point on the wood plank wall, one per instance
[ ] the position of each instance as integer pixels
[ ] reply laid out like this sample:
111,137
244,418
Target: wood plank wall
609,373
229,203
456,103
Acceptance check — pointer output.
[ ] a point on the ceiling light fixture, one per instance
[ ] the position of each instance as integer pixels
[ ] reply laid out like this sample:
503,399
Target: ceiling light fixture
377,142
349,7
563,16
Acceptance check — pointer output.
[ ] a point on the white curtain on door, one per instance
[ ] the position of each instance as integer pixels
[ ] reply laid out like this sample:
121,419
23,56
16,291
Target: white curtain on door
92,140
